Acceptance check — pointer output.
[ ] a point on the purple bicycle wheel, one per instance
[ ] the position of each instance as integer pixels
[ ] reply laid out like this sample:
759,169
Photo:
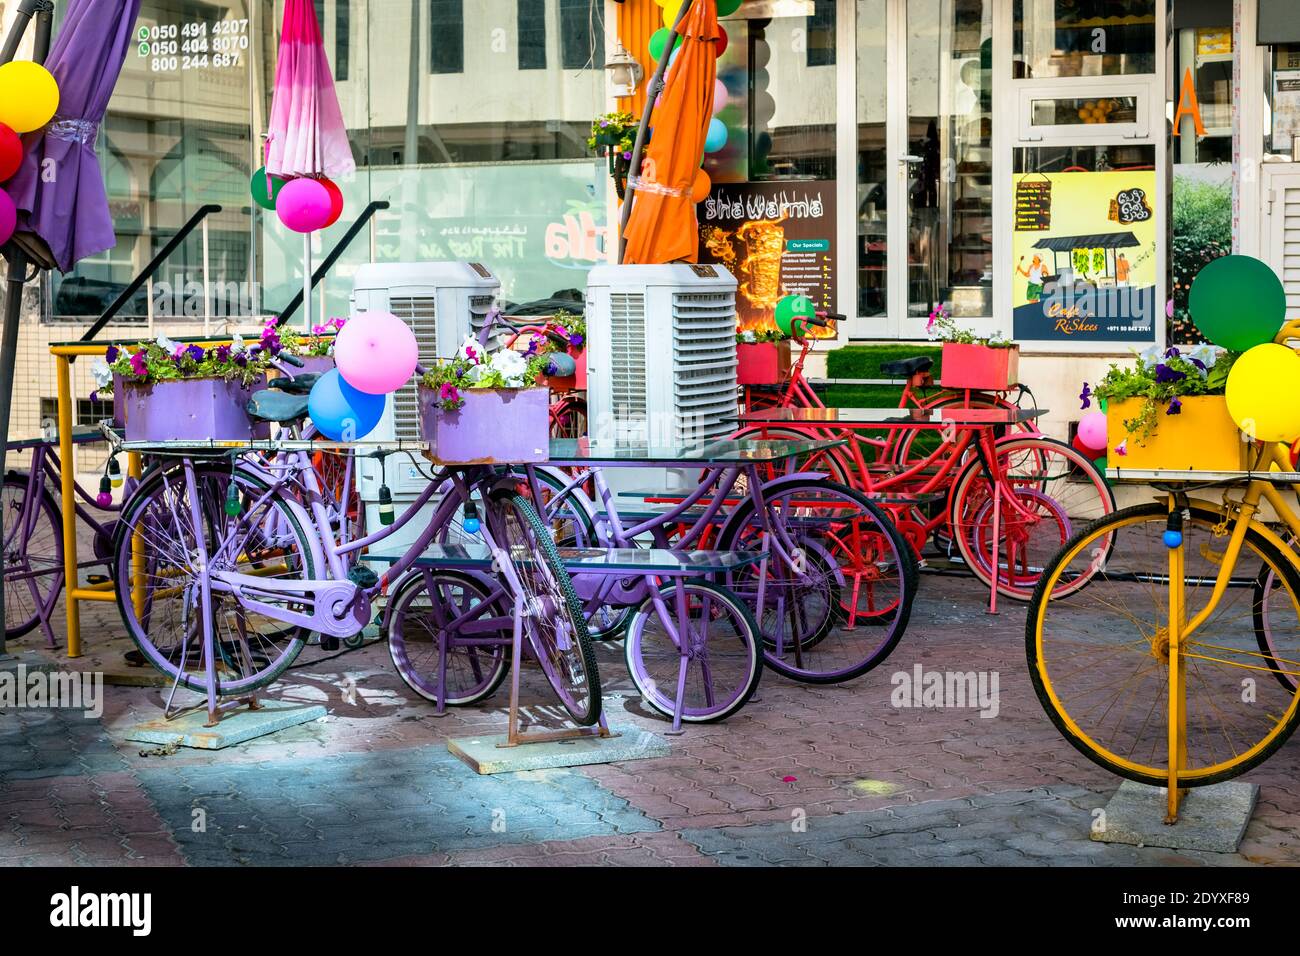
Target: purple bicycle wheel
33,550
443,622
723,661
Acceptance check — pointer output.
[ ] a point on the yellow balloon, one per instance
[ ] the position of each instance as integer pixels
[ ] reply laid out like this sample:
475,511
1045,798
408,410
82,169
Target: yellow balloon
1263,393
29,96
670,8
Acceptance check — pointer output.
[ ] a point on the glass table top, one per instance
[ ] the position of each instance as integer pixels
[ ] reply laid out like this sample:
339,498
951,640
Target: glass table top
910,417
477,555
724,452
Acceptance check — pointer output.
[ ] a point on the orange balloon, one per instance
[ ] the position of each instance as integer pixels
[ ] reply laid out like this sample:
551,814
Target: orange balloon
700,188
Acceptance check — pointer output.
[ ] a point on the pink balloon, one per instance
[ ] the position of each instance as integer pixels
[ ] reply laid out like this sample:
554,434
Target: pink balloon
1092,431
376,352
1169,308
304,205
720,96
8,217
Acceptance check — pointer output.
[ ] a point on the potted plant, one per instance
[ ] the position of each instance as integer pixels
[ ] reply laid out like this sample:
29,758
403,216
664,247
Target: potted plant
484,409
575,328
176,392
985,363
1169,412
613,135
762,357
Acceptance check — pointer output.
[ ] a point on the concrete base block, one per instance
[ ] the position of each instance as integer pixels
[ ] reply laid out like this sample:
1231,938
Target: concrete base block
235,727
487,755
20,662
1209,818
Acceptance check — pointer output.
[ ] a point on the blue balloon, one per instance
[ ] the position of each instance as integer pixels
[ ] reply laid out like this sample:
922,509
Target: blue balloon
672,57
716,138
339,411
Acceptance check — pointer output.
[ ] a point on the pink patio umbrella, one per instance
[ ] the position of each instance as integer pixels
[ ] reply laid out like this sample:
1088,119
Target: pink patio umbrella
306,135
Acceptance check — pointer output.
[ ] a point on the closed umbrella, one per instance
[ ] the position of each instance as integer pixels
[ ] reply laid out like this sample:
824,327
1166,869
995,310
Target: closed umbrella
306,135
661,226
59,190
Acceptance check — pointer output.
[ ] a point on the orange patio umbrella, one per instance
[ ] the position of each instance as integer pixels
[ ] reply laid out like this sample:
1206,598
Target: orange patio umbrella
660,225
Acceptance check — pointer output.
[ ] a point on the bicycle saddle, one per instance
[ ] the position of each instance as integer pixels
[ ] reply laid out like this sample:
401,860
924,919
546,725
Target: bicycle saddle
906,368
270,405
295,386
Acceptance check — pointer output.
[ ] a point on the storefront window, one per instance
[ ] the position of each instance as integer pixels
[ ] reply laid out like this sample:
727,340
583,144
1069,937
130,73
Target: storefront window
1053,38
873,85
949,157
1282,92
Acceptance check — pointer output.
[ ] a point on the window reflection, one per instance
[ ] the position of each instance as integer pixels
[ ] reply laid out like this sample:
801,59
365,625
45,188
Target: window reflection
872,168
1083,37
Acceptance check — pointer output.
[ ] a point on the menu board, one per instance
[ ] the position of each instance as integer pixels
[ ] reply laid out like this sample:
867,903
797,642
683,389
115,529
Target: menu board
1033,205
777,239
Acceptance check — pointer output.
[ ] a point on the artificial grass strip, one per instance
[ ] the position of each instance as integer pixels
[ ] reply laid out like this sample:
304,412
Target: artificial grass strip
864,361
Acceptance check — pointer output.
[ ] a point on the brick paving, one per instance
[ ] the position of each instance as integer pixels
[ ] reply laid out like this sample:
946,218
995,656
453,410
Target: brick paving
803,775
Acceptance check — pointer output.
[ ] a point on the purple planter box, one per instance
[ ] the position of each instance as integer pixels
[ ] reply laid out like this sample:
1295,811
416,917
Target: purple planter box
198,409
119,401
314,365
494,426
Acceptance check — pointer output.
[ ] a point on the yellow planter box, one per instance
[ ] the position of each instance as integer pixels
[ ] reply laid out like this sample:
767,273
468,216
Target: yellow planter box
1203,437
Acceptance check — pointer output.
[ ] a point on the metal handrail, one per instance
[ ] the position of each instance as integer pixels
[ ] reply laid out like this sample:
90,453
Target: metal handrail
334,255
150,269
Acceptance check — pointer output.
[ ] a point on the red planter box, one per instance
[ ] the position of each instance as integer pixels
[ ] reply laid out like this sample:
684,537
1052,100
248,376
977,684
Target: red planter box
762,363
980,367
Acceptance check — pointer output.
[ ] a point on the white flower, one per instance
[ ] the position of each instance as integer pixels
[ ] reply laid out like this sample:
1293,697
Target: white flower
511,366
102,374
750,336
470,347
476,373
1206,354
237,344
167,345
1152,354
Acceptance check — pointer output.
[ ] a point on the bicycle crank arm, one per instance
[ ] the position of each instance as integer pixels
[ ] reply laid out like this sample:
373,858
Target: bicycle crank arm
334,608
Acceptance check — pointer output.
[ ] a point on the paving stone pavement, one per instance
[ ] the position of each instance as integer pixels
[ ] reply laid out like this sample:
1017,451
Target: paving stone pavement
803,775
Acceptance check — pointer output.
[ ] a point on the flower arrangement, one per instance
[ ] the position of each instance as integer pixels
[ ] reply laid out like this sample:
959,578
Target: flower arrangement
319,343
574,326
758,336
941,327
473,368
614,135
1160,381
163,360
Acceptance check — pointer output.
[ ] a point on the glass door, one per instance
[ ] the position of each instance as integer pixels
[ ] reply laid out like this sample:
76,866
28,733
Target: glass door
946,171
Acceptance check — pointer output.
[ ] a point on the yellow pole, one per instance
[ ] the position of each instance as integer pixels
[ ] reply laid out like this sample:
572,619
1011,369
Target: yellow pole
1177,715
67,479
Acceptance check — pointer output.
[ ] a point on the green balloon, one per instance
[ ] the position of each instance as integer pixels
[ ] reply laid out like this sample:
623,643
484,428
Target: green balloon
1100,465
659,40
1103,404
1237,302
258,187
793,307
727,7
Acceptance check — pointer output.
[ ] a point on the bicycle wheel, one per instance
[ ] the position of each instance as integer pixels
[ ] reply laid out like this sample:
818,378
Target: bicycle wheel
155,568
916,445
1052,490
33,554
839,583
1275,642
434,606
553,617
1098,654
723,664
569,418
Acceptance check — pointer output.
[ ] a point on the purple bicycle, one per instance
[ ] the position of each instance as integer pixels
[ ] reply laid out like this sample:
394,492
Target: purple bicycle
33,533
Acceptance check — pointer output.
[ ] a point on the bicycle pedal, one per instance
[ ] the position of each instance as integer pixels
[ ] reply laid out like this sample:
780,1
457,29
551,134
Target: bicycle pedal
328,643
97,579
362,576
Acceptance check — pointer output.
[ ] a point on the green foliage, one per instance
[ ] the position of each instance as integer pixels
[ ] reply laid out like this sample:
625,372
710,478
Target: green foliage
1159,384
1202,232
166,361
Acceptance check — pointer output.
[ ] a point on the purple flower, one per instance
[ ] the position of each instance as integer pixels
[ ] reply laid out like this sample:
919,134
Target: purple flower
139,364
448,392
318,330
1175,407
195,352
179,353
1165,375
1085,396
471,353
576,339
550,368
94,396
337,323
1198,363
534,344
241,360
1172,352
222,353
627,156
110,355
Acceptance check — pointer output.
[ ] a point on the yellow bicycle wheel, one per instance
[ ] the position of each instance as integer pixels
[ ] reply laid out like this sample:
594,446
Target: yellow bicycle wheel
1099,655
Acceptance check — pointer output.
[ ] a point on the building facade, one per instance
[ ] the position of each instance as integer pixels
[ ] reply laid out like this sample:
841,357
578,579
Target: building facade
1051,170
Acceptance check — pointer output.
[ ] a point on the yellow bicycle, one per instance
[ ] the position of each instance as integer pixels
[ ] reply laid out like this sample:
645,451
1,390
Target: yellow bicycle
1178,663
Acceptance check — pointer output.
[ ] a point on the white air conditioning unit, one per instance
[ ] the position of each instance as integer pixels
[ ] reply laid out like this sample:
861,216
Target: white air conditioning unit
661,355
442,302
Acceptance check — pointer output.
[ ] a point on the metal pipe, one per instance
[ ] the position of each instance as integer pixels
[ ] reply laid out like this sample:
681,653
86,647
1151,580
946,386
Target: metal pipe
652,91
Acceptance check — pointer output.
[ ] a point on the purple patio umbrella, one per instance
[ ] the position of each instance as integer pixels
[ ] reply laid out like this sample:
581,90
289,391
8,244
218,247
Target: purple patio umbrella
59,191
